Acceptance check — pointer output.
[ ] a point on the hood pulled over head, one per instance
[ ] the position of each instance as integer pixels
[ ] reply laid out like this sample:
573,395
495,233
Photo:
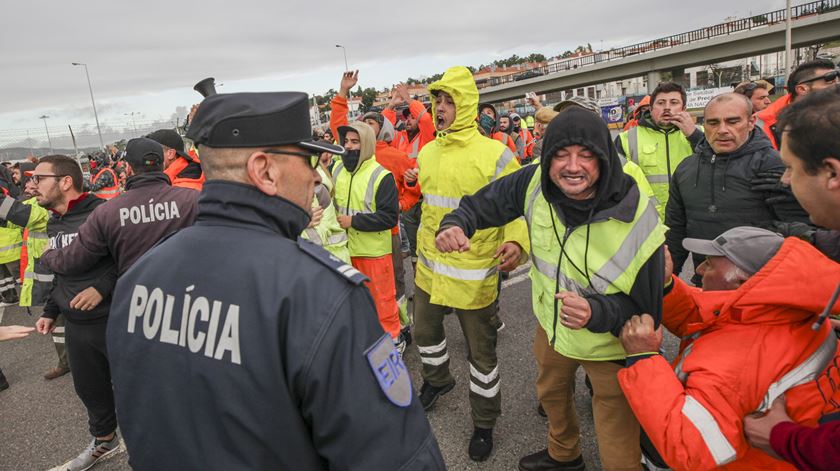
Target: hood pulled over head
353,160
579,126
458,83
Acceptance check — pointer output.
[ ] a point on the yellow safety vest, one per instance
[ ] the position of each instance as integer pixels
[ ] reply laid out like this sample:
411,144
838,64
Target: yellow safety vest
658,154
355,193
617,251
328,233
37,241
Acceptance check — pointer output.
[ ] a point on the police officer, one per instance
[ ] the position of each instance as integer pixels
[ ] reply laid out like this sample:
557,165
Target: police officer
258,351
134,221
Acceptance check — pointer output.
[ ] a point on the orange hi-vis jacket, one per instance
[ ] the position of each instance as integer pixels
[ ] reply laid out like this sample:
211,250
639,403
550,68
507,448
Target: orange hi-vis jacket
107,192
741,350
528,140
766,118
178,166
505,139
394,160
425,124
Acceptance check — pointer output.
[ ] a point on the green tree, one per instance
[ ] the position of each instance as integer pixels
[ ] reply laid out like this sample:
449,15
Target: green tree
368,96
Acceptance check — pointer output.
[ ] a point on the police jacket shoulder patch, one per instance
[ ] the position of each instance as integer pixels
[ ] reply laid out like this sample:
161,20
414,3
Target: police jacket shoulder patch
330,261
390,371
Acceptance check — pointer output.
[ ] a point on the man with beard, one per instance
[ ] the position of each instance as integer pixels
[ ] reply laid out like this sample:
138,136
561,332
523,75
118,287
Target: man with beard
663,139
506,126
596,248
488,127
84,300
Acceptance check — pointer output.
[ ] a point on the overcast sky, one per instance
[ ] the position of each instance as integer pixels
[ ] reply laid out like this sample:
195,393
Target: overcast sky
144,57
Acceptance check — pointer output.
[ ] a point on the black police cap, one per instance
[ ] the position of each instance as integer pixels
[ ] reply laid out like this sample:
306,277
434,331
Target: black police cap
143,151
230,120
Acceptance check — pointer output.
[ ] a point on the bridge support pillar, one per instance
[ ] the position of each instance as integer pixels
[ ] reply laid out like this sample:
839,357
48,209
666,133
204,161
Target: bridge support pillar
653,79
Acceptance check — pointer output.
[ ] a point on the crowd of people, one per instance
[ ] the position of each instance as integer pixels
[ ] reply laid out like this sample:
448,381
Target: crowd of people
241,302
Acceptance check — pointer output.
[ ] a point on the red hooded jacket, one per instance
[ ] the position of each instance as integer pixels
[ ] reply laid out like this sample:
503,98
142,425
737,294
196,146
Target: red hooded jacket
740,350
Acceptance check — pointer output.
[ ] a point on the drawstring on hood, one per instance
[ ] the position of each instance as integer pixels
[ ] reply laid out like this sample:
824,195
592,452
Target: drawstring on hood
354,159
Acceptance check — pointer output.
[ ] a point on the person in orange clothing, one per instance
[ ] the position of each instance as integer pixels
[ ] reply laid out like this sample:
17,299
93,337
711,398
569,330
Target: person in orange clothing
643,106
488,126
749,339
184,170
419,127
525,138
805,78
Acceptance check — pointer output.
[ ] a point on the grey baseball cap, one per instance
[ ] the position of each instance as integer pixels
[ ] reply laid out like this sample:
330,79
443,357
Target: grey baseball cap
582,101
749,248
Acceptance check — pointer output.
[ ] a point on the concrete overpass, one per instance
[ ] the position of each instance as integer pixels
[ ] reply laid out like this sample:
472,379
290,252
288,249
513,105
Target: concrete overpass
806,30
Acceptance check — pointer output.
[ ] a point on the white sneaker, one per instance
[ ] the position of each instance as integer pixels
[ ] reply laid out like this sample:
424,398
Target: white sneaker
93,454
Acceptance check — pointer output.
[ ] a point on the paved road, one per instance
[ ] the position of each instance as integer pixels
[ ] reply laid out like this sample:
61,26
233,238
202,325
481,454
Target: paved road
43,423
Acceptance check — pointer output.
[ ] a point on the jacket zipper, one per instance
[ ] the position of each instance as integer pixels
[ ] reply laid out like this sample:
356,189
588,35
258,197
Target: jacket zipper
556,282
712,207
668,155
349,190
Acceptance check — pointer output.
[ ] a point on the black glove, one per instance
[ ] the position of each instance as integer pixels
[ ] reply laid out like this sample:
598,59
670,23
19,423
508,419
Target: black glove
789,229
770,183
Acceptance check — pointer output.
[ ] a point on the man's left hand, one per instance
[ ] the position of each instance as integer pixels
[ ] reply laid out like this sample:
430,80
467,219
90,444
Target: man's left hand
576,311
685,122
345,221
508,254
639,335
86,300
757,428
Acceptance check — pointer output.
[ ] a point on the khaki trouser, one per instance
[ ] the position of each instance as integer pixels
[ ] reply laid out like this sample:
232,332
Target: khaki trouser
615,425
480,333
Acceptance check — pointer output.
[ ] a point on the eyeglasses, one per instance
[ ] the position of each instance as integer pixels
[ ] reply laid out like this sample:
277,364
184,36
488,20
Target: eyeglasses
313,159
829,77
36,179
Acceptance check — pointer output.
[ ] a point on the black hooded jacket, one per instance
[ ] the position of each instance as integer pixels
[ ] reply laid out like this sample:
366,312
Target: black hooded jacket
617,198
712,193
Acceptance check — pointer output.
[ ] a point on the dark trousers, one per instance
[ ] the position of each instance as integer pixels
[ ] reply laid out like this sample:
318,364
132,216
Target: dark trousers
9,273
480,332
92,375
411,222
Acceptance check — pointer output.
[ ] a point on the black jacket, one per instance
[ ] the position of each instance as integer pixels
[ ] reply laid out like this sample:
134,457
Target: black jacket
711,194
503,201
62,230
232,346
127,226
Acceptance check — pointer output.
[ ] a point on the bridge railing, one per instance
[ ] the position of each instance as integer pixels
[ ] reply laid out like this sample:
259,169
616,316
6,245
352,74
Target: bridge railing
742,24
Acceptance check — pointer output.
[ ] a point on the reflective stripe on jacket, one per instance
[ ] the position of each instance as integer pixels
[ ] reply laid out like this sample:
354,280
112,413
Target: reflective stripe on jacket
741,350
616,252
107,192
456,164
658,154
11,238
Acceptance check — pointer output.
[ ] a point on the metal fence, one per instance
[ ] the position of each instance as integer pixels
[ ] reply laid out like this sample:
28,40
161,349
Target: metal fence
761,20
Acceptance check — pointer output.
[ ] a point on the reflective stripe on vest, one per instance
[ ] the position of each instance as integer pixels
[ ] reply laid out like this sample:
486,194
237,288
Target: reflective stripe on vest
633,144
455,272
654,179
502,162
806,371
722,451
6,206
29,275
415,146
38,235
369,196
337,168
354,200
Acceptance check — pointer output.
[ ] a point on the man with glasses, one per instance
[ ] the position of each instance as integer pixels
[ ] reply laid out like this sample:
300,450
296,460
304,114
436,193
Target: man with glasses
235,345
83,299
758,92
807,77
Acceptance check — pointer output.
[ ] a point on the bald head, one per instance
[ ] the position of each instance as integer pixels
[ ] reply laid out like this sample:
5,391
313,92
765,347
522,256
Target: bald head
728,97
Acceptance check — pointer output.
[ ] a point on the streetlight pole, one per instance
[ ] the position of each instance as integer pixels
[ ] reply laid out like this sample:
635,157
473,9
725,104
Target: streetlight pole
93,102
133,122
44,117
788,61
344,49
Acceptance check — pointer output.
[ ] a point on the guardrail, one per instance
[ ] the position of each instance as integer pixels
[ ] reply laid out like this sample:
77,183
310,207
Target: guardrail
743,24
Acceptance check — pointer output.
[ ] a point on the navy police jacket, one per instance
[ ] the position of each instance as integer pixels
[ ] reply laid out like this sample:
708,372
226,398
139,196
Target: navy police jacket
234,346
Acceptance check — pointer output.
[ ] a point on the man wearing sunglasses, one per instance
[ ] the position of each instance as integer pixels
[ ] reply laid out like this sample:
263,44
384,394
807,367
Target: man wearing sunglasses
235,345
806,78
